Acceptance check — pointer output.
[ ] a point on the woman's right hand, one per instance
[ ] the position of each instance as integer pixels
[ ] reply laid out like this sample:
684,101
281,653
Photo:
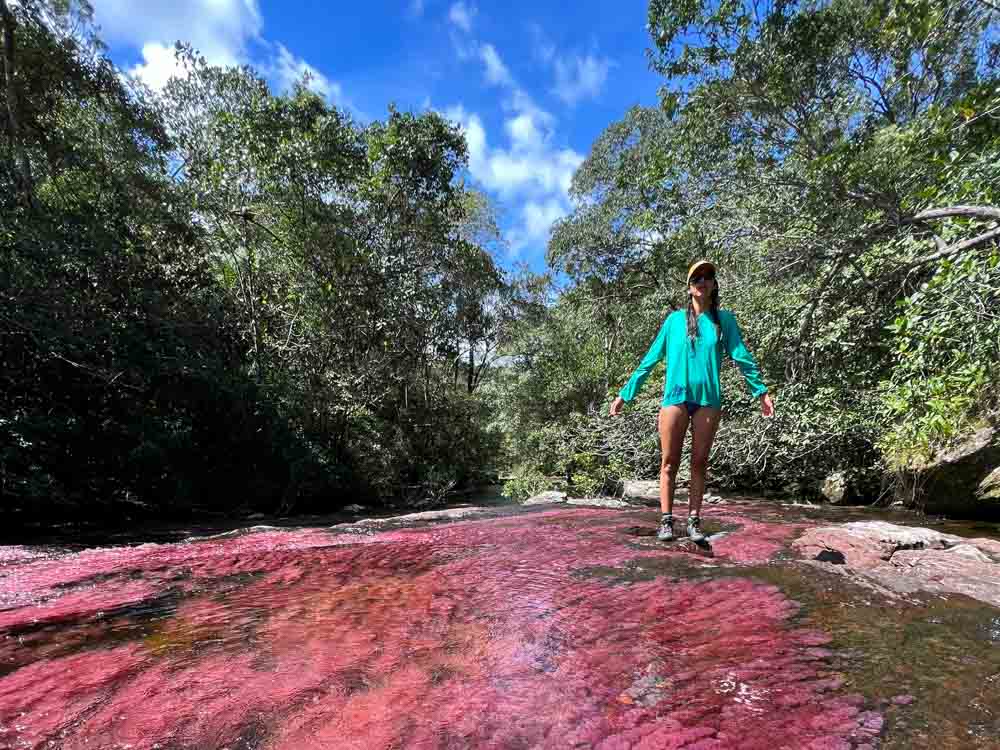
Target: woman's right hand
616,406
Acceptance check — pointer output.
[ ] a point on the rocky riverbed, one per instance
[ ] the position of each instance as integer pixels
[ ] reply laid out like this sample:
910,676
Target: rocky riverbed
549,626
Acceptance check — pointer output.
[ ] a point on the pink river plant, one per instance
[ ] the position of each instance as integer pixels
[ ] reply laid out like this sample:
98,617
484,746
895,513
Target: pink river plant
496,633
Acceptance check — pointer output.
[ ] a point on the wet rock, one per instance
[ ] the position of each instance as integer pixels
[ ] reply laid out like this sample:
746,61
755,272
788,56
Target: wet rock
449,514
546,497
598,502
17,555
906,559
234,533
963,480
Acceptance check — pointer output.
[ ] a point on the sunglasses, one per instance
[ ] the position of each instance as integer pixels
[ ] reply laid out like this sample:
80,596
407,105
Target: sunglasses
702,277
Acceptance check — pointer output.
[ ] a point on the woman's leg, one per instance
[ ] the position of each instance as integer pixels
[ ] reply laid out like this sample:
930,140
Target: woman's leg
704,424
673,422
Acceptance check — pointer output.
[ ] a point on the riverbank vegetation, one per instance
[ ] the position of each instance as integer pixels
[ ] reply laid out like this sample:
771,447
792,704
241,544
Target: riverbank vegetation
222,298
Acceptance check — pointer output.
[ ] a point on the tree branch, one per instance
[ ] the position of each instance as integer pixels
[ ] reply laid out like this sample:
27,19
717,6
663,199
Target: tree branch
957,247
977,212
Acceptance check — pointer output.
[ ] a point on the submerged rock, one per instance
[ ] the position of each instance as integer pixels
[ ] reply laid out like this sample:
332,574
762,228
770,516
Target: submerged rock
478,633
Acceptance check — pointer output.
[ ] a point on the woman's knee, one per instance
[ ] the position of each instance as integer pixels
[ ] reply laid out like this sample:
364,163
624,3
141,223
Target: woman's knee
669,468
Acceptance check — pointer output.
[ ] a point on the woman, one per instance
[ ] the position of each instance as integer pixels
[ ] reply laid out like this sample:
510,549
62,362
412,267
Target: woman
691,341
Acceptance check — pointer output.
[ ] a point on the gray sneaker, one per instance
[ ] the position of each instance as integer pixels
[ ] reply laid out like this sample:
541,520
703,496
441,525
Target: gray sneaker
694,529
666,532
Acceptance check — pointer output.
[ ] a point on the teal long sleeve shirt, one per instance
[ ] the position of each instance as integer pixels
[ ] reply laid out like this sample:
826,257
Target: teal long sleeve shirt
693,372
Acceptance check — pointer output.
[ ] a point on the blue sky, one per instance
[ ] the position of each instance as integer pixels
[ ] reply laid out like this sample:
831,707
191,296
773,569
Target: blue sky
532,83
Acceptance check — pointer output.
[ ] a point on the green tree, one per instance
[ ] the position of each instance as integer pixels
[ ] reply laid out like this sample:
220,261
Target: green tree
117,349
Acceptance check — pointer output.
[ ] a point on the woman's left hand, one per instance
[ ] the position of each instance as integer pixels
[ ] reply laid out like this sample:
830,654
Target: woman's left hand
766,405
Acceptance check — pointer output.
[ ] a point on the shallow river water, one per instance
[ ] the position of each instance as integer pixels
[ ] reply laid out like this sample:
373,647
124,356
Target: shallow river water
511,628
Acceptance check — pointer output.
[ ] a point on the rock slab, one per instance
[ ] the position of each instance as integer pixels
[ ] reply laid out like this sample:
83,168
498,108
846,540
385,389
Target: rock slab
545,498
908,559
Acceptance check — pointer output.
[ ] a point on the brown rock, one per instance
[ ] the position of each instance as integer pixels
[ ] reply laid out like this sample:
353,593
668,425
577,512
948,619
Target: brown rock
908,559
962,481
864,544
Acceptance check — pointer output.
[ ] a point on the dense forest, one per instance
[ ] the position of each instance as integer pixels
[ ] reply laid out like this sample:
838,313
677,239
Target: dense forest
220,298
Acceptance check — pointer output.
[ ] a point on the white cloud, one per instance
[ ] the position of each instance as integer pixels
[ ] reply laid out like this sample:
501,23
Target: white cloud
577,76
529,169
220,30
525,132
461,15
496,71
160,64
530,166
537,219
580,77
289,70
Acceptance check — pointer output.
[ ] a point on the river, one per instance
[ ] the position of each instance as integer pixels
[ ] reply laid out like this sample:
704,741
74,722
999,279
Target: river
496,627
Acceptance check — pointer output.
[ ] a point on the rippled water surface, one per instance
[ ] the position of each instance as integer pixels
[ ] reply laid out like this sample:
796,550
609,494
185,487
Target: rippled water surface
567,628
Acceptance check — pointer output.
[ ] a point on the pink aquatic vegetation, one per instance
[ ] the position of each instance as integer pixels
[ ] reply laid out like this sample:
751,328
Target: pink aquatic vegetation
475,634
72,586
756,542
